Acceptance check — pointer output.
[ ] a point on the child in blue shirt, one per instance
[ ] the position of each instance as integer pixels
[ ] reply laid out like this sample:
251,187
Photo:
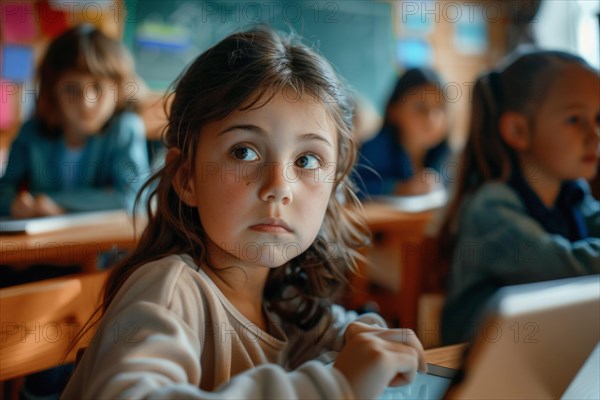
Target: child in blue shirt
83,150
522,210
407,156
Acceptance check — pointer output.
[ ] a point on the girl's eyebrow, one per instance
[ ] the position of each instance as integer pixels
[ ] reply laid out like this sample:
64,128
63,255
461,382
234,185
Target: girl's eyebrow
258,130
247,127
314,136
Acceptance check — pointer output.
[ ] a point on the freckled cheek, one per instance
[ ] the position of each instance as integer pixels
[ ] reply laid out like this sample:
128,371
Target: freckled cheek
317,194
217,192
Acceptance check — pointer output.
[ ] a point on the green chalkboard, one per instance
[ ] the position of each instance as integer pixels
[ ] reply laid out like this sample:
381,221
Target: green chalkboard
355,36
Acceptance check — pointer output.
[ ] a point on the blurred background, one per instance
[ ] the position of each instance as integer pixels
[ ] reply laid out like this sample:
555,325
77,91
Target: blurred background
369,42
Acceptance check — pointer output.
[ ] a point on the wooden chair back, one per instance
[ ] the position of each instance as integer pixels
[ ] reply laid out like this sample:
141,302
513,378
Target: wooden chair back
39,321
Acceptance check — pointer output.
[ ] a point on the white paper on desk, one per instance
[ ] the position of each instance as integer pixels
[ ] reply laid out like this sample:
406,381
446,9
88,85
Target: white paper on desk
429,201
48,224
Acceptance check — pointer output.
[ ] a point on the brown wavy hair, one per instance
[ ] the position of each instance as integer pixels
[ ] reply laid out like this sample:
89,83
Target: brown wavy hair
85,49
232,75
520,84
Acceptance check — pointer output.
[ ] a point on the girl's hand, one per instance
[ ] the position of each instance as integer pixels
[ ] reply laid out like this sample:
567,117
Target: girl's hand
374,358
27,206
23,206
45,206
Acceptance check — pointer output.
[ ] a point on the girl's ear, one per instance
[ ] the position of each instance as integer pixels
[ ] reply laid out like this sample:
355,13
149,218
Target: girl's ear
514,129
183,184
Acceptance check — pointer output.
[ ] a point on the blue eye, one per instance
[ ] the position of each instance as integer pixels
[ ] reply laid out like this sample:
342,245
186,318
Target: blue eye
244,153
308,161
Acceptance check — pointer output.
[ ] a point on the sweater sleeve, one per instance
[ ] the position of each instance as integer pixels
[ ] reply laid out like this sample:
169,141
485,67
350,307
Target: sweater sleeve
158,356
327,338
499,237
150,350
90,199
590,209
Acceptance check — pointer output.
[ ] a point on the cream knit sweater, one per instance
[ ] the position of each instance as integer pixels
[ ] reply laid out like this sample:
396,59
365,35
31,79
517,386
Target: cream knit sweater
171,333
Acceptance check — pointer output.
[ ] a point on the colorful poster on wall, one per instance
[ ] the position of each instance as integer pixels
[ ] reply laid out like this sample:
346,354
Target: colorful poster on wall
53,18
413,52
8,91
17,63
18,22
169,37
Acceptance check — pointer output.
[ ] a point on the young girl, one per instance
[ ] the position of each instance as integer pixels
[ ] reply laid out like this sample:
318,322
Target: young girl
521,214
82,151
408,154
227,293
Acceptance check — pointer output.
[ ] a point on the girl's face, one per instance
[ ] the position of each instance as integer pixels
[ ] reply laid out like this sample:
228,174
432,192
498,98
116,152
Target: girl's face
263,179
421,116
566,128
86,102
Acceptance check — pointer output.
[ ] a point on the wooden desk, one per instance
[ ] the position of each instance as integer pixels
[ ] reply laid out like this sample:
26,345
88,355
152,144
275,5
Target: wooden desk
396,263
382,217
400,232
77,245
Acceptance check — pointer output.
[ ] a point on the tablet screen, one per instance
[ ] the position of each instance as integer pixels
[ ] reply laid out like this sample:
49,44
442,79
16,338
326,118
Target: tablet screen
431,385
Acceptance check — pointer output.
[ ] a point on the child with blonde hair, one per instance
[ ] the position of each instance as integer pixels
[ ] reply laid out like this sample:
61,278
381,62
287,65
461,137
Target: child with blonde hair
522,211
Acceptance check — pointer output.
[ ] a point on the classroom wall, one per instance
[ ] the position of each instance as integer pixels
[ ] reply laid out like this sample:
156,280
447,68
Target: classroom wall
367,42
355,36
459,62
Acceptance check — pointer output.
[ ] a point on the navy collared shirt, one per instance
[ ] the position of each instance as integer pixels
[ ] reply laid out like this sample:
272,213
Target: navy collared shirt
564,218
382,162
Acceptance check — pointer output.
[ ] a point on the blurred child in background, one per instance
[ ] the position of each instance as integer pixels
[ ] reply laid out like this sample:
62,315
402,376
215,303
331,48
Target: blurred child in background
521,213
83,150
407,155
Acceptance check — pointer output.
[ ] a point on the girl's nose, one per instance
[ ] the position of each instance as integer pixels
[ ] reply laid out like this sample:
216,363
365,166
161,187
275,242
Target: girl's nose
276,187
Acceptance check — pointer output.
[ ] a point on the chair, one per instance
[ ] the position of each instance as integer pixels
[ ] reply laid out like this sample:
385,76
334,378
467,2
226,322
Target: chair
414,295
39,321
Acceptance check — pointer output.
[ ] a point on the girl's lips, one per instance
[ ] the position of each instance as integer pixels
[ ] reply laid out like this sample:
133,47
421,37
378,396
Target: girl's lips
273,225
269,228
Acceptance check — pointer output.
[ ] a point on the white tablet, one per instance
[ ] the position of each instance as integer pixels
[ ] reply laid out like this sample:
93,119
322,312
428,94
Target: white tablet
534,341
431,385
